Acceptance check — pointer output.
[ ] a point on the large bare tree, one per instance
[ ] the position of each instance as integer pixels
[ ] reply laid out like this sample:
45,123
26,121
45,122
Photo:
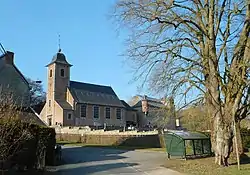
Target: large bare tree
195,48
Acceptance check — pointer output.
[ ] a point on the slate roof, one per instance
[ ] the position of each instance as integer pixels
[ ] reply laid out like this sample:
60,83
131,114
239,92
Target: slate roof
127,106
94,94
149,98
29,115
59,57
4,66
155,104
64,104
1,62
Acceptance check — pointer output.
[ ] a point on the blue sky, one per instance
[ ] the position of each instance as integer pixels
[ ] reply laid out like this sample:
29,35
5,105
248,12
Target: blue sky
88,39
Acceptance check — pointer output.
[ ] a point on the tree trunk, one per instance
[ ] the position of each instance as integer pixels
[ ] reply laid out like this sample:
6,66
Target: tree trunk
222,141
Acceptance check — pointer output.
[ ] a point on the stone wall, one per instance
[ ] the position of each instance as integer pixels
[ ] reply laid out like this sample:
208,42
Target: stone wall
142,141
149,139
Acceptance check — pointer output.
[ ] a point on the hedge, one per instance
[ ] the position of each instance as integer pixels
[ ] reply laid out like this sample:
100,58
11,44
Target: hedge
245,134
26,152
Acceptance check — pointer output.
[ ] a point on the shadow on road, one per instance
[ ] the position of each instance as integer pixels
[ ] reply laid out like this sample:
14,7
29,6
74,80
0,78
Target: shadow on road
87,160
98,161
79,169
73,155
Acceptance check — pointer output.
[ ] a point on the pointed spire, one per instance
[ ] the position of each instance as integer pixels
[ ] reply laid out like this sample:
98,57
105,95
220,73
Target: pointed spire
59,43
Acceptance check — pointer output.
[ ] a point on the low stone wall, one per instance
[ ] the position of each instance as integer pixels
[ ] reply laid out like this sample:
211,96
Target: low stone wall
143,141
114,137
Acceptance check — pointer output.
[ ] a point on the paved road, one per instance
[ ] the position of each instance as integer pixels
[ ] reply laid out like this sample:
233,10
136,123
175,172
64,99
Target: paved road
103,161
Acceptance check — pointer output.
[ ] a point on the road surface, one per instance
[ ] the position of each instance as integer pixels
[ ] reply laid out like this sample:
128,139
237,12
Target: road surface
104,161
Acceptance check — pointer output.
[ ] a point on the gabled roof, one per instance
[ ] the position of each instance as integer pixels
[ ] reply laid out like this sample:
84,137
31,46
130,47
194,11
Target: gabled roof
152,102
155,104
149,98
1,62
127,106
2,66
94,94
30,115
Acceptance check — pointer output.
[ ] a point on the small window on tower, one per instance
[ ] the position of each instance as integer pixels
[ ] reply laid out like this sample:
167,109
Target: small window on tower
62,72
50,73
69,116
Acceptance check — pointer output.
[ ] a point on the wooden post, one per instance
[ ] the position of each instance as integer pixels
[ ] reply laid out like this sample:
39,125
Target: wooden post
202,147
194,148
185,151
236,145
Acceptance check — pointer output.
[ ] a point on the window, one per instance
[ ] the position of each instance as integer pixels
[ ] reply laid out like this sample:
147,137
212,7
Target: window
107,113
62,72
83,110
118,113
69,116
50,73
49,121
49,103
96,112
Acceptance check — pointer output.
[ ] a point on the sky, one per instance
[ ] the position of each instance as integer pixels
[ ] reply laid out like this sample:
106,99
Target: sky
88,39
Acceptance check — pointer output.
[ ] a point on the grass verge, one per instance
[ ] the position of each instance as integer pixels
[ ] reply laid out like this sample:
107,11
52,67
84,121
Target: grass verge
206,166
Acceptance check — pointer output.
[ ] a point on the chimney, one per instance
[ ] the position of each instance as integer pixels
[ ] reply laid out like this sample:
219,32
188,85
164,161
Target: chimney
144,103
164,101
9,57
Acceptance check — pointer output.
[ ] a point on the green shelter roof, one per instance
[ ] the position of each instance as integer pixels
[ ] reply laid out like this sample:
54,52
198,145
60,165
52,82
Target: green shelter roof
188,135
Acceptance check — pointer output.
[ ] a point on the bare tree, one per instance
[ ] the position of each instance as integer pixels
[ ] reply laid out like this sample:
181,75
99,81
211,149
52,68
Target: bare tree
12,134
195,118
196,50
165,116
37,93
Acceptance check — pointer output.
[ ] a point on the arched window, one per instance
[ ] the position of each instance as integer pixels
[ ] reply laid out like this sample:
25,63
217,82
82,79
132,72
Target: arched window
62,72
50,73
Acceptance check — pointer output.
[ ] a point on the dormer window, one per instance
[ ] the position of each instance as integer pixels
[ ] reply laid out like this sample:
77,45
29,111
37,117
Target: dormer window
62,72
50,73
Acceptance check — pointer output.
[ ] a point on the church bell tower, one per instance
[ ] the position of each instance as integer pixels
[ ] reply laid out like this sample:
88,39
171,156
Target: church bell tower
58,77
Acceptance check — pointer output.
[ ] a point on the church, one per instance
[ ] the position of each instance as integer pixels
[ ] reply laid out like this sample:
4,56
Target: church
72,103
